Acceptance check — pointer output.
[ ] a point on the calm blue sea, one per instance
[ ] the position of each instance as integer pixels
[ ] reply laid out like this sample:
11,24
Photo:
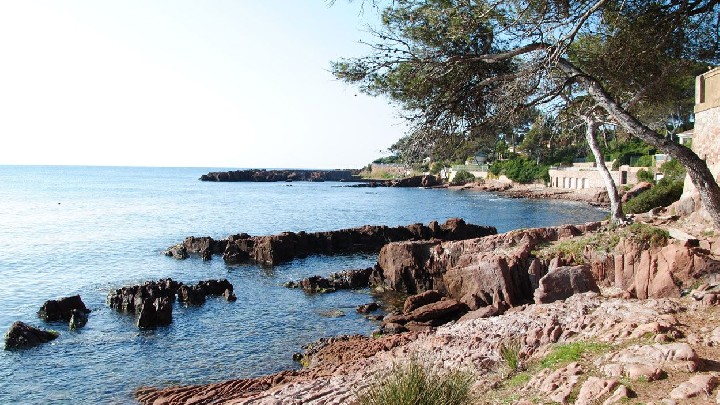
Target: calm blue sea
86,230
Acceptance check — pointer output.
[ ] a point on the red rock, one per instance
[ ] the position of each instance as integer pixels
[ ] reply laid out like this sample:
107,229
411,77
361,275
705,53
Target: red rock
418,300
635,190
440,310
564,282
698,385
594,388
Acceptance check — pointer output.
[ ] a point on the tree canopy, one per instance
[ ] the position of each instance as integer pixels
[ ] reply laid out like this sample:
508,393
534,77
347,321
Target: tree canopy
459,68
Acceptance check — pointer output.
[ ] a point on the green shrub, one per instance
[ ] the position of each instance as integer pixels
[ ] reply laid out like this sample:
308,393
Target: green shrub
645,161
521,170
462,177
647,236
673,170
413,384
646,175
436,167
666,192
497,167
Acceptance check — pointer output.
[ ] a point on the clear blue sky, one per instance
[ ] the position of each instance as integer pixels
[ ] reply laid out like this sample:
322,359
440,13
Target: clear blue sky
215,83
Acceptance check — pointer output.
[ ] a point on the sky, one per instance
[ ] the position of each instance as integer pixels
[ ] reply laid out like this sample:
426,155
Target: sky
180,83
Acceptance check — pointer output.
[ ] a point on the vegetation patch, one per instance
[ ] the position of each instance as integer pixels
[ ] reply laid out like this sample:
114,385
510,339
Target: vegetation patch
510,354
666,192
462,177
521,170
644,235
414,384
570,352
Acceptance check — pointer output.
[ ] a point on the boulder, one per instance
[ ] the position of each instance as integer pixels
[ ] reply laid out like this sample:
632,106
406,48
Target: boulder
564,282
594,388
367,308
418,300
556,385
178,252
698,385
215,287
648,361
21,335
345,280
438,312
61,310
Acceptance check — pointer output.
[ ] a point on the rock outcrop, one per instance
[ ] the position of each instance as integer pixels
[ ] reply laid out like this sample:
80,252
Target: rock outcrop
563,282
21,335
152,301
61,310
344,280
652,272
426,181
274,249
497,270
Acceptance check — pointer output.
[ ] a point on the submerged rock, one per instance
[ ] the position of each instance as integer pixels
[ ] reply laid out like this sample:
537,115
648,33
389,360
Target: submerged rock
21,335
78,319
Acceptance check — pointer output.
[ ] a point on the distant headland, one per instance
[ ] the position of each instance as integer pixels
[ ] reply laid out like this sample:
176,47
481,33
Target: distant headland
264,175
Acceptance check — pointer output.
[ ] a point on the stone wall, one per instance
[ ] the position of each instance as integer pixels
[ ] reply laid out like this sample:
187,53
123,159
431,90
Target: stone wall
705,137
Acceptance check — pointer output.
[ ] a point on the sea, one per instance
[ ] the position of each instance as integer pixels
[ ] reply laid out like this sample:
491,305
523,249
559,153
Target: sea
67,230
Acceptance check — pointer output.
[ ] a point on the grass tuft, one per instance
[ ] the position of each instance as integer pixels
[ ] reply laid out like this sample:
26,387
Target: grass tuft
510,354
567,353
413,384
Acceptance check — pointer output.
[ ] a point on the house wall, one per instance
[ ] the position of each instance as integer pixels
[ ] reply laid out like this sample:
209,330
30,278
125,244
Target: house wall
707,124
578,178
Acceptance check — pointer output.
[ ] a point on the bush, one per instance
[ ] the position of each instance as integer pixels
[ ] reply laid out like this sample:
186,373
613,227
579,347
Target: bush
645,161
436,167
646,175
462,177
666,192
521,170
673,170
412,384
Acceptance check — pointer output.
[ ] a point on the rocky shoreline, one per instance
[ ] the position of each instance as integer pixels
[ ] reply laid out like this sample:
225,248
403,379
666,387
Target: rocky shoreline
274,249
495,288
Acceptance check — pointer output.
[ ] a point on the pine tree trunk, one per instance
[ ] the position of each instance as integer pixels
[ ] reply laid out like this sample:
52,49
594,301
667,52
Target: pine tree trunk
591,126
696,168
